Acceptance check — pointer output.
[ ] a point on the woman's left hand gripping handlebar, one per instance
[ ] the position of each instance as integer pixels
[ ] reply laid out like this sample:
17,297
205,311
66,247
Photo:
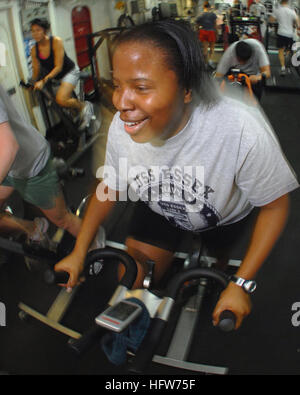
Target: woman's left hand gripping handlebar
235,299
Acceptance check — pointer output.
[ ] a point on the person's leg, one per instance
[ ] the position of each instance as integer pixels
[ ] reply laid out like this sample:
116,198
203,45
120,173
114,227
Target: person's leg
151,237
60,216
287,57
281,45
212,38
141,252
211,49
205,45
281,57
289,53
64,97
44,191
211,53
9,223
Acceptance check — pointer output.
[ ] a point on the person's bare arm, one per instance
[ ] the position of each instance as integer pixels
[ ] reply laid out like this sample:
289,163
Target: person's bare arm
266,70
219,75
97,211
269,225
263,70
35,65
297,22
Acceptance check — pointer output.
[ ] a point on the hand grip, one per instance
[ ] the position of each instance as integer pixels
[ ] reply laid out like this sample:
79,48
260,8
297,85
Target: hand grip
52,277
227,321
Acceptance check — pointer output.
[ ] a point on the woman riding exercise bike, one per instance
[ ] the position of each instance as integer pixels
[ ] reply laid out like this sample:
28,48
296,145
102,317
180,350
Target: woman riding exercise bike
49,55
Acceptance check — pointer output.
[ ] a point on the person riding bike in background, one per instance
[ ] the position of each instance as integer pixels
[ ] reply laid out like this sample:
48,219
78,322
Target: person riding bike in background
26,167
48,55
251,58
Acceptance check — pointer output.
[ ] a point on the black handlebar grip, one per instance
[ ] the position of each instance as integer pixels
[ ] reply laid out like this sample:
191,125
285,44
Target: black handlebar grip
51,277
26,85
227,321
87,340
121,256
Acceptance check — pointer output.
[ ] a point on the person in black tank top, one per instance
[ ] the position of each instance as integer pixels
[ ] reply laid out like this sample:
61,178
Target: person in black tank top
49,55
48,64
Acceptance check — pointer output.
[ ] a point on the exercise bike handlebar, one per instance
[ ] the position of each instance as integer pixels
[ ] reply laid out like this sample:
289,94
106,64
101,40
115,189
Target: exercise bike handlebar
154,334
240,76
30,85
152,339
82,344
227,318
26,85
180,278
103,254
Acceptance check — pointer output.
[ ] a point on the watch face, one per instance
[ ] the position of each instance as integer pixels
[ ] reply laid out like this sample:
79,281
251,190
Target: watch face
249,286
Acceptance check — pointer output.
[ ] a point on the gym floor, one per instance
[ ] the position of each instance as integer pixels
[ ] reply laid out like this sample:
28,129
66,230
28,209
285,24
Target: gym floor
266,344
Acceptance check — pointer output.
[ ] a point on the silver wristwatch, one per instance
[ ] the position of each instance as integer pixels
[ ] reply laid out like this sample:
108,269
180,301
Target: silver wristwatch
248,286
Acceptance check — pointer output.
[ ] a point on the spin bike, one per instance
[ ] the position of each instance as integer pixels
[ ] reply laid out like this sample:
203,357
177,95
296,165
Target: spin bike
62,243
121,311
71,142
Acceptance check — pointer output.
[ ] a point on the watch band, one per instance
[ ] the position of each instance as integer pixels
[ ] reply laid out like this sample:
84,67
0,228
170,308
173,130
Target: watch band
248,286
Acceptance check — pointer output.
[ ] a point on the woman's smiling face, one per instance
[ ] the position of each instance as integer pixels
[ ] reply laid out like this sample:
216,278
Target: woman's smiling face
151,102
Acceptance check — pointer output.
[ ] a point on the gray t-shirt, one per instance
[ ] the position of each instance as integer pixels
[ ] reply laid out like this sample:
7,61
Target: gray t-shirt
224,162
34,150
286,18
258,9
258,59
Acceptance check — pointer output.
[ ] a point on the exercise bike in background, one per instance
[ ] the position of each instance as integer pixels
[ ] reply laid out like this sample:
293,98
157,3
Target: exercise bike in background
68,142
125,19
62,243
237,84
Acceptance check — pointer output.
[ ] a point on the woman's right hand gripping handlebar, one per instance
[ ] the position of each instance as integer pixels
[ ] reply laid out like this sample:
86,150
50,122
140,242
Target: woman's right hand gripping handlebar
72,264
96,212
